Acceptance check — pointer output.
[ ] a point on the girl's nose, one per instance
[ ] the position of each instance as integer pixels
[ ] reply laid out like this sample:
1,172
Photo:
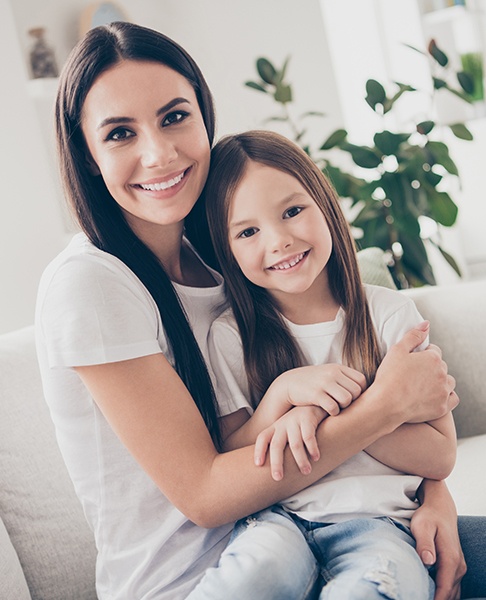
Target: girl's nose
158,151
280,239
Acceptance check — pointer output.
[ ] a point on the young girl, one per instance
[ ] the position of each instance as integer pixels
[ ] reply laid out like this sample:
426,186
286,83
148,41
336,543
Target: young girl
122,319
296,299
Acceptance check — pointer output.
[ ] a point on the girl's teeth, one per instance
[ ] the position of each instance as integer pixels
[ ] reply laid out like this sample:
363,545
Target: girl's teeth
163,185
292,263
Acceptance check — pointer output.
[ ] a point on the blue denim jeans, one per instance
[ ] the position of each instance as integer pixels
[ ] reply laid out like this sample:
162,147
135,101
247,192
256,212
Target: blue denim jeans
472,531
273,555
267,558
368,559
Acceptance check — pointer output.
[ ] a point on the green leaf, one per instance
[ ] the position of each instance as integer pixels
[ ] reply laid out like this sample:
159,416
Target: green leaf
425,127
375,93
450,260
283,70
389,143
466,82
256,86
438,54
363,156
439,83
442,208
438,153
266,70
461,131
335,139
283,93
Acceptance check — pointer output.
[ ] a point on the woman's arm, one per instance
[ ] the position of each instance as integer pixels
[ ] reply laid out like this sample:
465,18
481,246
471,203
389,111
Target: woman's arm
434,526
153,414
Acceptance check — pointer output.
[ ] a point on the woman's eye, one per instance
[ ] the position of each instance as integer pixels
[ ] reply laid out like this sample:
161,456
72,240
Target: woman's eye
119,134
292,212
174,117
248,232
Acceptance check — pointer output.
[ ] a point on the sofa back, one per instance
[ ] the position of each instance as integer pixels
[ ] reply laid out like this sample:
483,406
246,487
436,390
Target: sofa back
49,548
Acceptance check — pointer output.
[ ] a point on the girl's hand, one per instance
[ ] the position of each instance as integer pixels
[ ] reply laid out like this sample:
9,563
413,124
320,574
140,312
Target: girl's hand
297,428
330,386
434,526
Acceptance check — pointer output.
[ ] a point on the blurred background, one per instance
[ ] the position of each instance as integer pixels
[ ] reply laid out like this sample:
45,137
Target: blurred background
331,48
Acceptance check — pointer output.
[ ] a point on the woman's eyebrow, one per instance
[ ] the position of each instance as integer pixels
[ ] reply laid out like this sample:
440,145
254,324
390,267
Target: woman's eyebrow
160,111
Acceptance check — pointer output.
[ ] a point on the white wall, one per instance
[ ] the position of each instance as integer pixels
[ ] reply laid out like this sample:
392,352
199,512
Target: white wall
335,45
31,228
224,37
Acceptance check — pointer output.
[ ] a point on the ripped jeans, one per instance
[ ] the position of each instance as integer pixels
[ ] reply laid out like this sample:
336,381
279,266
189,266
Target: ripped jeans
273,555
368,559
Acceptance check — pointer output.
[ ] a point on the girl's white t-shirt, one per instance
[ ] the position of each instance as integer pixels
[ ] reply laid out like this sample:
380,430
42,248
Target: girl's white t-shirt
361,486
92,309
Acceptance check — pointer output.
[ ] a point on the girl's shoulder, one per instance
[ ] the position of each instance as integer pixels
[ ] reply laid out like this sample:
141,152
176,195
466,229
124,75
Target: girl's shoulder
385,300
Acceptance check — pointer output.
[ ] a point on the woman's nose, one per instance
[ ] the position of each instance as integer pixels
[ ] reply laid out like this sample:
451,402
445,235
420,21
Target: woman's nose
158,151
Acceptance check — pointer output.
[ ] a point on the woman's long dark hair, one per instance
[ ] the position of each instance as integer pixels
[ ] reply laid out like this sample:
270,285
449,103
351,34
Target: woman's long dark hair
269,347
99,216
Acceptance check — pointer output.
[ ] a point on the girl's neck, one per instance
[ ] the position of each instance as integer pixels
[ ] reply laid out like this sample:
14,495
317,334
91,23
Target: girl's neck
316,305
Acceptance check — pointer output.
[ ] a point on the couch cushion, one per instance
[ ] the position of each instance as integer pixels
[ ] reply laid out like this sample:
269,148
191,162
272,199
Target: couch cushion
37,501
457,314
11,574
467,482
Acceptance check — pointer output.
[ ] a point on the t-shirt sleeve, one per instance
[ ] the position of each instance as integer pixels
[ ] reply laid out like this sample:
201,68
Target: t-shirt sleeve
404,317
95,312
228,366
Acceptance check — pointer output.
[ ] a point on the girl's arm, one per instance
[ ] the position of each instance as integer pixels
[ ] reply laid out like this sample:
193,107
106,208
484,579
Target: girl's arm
423,449
153,414
330,387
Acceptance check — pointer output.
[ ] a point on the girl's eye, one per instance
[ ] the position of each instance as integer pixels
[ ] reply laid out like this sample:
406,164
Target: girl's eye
119,134
174,117
248,232
292,212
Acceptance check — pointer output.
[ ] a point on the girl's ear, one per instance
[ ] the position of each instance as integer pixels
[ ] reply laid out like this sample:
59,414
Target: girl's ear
92,166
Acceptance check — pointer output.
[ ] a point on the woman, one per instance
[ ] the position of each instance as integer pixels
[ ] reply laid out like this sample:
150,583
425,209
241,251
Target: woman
119,317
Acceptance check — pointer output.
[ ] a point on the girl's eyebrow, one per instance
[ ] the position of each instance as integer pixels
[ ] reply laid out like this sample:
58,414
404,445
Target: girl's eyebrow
292,197
160,111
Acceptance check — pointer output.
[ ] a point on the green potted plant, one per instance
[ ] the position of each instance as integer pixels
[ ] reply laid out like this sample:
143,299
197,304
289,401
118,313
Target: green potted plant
403,170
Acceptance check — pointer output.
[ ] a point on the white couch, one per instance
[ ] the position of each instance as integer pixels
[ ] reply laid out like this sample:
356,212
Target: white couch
46,550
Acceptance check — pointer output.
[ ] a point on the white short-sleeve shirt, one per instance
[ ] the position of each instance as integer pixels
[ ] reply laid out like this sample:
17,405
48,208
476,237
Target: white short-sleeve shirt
92,309
361,486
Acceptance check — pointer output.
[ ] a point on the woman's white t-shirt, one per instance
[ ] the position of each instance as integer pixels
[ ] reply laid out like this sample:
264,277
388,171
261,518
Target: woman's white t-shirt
92,309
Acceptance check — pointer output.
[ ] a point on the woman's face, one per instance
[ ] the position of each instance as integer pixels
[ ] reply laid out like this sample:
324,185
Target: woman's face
147,139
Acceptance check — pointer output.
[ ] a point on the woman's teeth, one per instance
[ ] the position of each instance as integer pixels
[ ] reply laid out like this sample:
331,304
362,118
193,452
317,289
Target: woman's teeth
163,185
290,263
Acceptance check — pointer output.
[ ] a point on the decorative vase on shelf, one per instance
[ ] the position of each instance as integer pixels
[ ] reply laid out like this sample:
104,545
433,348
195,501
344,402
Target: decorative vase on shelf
42,57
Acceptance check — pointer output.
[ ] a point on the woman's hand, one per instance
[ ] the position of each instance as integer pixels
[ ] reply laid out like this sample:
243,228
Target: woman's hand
297,429
434,526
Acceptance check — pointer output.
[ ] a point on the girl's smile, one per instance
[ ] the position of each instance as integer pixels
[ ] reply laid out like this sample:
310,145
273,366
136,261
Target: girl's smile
279,237
148,142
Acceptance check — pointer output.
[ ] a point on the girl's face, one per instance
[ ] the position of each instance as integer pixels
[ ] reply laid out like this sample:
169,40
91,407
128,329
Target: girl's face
277,233
146,136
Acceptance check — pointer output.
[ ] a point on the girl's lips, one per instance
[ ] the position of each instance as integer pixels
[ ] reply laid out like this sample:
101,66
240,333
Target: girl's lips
284,265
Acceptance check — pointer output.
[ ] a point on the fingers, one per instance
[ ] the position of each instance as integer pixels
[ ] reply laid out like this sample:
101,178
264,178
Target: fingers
413,338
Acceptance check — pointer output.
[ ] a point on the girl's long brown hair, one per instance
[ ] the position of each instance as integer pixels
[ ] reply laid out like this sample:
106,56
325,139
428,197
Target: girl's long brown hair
269,348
